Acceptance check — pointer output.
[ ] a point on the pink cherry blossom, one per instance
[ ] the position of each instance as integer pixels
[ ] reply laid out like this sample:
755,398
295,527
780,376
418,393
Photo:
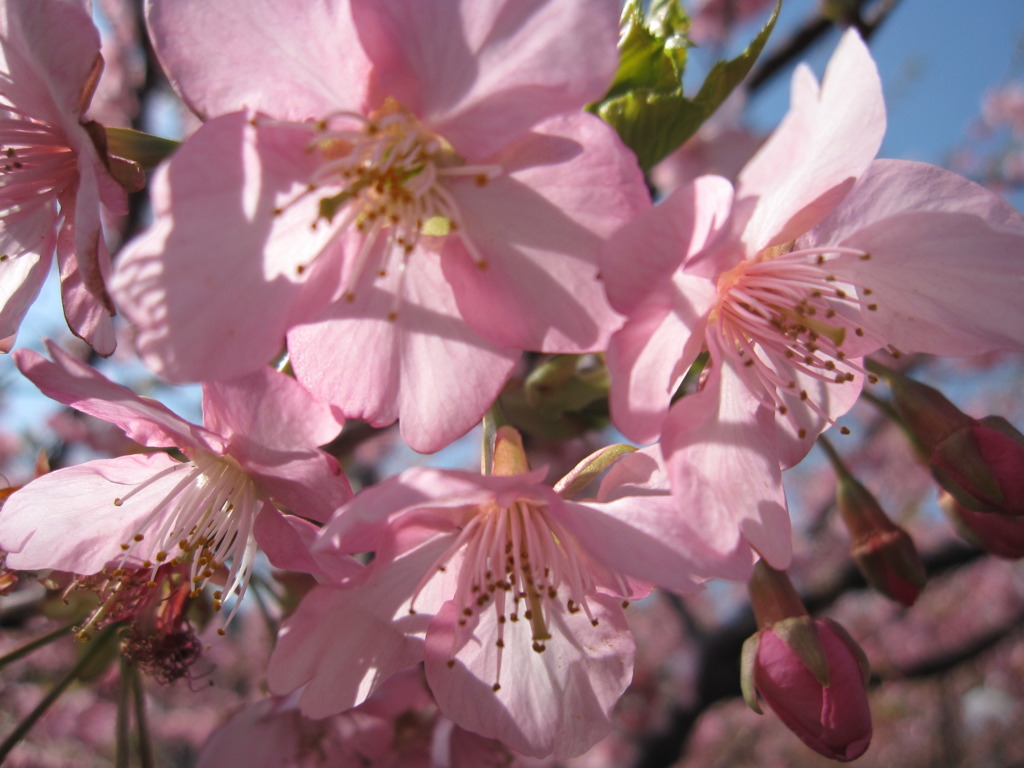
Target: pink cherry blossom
257,452
53,177
819,256
409,192
510,594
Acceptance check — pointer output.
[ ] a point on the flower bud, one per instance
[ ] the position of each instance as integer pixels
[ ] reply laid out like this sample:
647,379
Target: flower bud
1000,535
882,550
811,673
979,461
926,414
834,719
982,466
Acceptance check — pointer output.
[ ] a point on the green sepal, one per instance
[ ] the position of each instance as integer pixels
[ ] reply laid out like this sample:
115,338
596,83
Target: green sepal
748,662
800,634
584,473
143,148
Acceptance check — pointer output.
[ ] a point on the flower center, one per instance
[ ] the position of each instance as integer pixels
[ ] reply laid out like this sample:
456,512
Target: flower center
36,164
386,176
204,521
778,314
519,562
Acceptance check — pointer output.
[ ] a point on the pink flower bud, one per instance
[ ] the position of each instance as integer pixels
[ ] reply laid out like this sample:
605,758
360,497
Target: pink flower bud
1001,535
834,719
884,552
982,466
926,414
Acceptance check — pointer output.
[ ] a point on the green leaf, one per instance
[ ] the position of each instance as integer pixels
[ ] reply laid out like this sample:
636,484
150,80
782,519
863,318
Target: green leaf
652,53
645,105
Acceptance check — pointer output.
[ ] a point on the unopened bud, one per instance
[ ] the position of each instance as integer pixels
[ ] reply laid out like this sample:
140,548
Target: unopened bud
779,609
509,455
834,718
1000,535
982,466
926,414
882,550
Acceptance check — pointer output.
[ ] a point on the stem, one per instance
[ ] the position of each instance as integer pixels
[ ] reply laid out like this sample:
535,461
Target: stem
141,723
837,464
882,405
98,644
32,645
121,745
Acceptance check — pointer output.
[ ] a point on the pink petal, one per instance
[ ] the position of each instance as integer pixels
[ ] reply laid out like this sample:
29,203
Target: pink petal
287,541
891,187
483,73
643,255
51,48
557,702
22,274
145,421
424,367
646,537
219,278
723,465
288,64
84,265
649,356
268,408
822,146
806,418
538,228
308,483
372,615
944,283
67,519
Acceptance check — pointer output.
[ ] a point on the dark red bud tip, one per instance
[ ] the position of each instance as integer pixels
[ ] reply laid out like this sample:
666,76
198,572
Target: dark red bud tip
891,564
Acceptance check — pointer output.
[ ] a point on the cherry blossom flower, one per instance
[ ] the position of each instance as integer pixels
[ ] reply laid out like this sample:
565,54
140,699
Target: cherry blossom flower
510,594
818,257
409,191
54,176
143,511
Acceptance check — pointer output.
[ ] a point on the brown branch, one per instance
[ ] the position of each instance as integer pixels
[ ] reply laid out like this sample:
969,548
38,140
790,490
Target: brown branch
813,30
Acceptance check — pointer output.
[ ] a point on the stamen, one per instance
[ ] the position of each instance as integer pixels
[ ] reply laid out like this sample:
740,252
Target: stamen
386,176
778,314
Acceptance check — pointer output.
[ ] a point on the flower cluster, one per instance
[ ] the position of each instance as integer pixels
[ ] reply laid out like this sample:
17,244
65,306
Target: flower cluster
389,210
